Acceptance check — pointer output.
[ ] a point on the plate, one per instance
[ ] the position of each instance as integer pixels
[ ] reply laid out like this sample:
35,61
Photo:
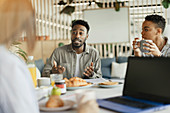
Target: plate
110,86
67,105
81,87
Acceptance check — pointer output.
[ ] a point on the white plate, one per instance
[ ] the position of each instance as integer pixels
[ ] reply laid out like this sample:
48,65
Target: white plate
110,86
81,87
67,105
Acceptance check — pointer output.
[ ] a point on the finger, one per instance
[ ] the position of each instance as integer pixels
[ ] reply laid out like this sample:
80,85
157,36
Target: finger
63,69
135,46
136,39
86,71
151,43
59,66
146,44
92,64
85,74
89,69
146,48
148,53
55,64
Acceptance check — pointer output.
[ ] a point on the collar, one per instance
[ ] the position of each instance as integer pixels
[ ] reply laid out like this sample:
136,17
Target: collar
86,50
167,42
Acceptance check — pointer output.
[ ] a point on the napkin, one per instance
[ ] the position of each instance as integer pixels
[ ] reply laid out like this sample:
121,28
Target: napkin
86,101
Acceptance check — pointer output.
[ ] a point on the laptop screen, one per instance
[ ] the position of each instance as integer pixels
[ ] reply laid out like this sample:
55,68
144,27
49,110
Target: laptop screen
148,78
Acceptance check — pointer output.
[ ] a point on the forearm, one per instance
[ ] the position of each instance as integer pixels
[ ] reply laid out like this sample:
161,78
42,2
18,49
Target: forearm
47,69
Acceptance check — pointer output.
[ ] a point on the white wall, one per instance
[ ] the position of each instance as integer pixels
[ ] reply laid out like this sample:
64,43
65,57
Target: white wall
107,25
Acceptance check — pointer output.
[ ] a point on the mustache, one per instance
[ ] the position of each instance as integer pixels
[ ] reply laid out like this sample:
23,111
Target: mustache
76,39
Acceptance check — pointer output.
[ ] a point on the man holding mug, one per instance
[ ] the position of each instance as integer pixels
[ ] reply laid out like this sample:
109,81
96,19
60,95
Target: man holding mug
155,45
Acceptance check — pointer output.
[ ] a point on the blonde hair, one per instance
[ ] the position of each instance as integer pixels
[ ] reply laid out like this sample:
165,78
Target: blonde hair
16,17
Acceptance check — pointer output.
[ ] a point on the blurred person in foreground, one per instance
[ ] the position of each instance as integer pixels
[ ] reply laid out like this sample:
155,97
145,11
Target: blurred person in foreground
17,93
152,29
76,59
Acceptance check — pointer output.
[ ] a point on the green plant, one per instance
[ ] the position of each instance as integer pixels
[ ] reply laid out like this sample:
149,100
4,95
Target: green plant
166,3
18,50
68,9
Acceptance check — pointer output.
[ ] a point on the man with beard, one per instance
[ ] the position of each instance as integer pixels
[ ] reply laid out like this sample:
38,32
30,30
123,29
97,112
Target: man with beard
76,59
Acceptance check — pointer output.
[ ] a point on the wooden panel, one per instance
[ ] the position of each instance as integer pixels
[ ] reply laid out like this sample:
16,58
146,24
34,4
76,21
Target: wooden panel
37,53
62,41
48,47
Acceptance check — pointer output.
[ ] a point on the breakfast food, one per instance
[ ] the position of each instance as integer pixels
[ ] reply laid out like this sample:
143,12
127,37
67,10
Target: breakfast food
75,82
109,83
54,102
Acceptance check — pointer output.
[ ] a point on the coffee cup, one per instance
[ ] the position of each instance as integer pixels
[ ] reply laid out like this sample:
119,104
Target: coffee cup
142,46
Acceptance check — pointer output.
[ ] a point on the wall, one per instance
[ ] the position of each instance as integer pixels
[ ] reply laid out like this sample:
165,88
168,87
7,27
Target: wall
44,49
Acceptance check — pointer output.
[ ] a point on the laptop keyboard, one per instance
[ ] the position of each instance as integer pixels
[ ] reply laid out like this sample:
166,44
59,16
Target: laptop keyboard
131,103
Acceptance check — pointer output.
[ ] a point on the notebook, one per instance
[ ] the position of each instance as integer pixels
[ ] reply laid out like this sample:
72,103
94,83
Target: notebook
146,86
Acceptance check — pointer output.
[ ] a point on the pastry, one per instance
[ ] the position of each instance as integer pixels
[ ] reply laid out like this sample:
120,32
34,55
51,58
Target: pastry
108,83
75,82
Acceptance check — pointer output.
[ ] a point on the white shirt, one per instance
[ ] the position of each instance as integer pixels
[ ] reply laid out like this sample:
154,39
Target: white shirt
77,71
17,93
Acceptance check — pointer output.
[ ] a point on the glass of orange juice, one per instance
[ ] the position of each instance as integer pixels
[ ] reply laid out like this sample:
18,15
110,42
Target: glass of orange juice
33,74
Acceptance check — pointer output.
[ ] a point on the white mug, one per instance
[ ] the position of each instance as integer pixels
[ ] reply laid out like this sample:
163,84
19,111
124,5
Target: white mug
43,81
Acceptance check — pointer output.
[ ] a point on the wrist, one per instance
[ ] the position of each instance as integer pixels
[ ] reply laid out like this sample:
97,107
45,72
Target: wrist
160,55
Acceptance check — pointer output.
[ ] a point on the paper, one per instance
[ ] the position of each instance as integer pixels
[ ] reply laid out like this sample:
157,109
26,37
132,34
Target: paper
96,81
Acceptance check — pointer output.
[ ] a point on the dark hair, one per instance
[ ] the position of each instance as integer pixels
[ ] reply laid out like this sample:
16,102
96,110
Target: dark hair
158,20
81,22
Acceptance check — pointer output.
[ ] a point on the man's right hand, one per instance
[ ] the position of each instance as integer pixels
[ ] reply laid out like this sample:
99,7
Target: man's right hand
57,69
136,46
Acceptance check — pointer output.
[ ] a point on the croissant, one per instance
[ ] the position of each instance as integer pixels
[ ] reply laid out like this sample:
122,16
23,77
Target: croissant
75,82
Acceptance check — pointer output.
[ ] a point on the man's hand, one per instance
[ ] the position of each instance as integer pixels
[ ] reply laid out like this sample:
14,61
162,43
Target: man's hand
57,69
154,50
89,71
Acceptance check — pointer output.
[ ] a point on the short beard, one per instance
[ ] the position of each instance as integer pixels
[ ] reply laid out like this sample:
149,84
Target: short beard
74,46
78,46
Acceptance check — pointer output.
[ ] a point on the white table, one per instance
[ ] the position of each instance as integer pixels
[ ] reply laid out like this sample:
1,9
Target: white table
100,94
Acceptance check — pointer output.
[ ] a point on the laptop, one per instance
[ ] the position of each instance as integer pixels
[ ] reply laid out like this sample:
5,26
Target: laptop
146,86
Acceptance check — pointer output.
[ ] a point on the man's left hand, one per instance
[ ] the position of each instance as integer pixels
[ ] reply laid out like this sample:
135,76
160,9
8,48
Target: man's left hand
89,71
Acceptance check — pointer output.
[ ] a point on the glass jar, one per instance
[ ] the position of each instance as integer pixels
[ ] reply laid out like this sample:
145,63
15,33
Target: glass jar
62,85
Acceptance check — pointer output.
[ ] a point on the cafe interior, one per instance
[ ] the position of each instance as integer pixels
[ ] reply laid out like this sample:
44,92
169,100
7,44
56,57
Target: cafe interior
113,26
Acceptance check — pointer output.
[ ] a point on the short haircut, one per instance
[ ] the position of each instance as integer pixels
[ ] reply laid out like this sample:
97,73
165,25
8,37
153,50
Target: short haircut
158,20
81,22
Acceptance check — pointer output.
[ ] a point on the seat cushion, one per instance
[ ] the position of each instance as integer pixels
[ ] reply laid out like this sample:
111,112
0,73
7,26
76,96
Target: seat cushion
106,64
122,59
118,70
39,64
